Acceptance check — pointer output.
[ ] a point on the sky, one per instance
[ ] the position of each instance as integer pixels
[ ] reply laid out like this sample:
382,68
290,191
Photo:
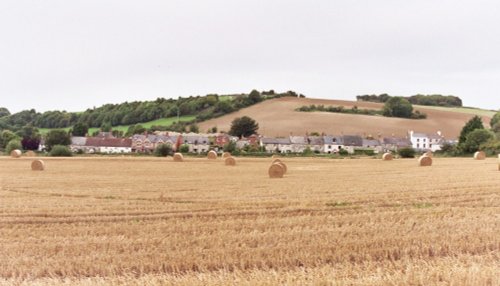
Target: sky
75,54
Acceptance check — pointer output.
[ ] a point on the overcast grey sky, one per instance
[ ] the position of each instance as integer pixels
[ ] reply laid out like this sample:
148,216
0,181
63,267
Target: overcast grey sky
72,55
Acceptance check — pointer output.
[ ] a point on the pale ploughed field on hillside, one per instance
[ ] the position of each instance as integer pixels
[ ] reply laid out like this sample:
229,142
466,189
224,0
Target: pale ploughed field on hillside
278,117
150,221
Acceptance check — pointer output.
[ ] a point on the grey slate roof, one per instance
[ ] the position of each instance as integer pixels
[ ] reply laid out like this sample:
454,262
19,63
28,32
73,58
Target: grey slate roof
281,141
352,140
329,140
370,143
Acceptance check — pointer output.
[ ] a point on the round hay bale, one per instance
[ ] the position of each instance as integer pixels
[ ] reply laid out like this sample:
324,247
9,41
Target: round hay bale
424,161
178,157
30,153
276,170
15,153
479,155
285,168
229,161
387,157
282,164
37,165
226,155
212,155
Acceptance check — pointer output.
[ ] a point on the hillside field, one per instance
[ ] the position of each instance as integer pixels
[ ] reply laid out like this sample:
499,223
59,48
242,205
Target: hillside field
278,117
152,221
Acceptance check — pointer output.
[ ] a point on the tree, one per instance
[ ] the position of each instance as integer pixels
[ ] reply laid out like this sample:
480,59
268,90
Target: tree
475,139
57,137
163,150
495,120
106,127
255,96
473,124
194,128
80,129
4,112
398,107
6,137
135,129
30,143
223,107
13,145
495,124
243,126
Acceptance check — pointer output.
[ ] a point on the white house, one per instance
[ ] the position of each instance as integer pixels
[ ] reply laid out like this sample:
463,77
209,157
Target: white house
332,144
298,144
276,145
426,142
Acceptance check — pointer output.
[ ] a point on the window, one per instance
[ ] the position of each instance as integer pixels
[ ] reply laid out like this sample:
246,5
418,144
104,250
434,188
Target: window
418,139
430,145
418,145
423,146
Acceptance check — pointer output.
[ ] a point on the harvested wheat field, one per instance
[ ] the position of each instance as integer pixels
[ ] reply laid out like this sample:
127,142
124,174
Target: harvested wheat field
151,221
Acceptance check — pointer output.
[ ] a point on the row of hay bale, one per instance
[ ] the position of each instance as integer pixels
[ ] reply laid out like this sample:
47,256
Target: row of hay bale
212,155
17,153
426,159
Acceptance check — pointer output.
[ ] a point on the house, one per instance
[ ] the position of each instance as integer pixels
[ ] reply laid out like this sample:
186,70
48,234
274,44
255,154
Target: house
394,143
426,142
373,144
298,144
78,143
253,141
276,145
352,142
108,145
332,144
315,143
147,143
197,143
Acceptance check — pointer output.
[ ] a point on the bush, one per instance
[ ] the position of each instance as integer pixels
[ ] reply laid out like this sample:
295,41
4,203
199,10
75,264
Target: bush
184,148
60,151
230,147
407,152
492,147
163,150
13,145
343,152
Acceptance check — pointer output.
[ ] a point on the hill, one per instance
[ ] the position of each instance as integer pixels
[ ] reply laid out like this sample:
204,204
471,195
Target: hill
277,117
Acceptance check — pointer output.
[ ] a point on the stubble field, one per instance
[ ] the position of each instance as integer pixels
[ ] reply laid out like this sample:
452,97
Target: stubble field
150,221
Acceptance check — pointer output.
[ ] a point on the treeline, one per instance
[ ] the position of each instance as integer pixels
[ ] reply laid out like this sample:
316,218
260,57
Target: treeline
339,109
127,113
419,99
